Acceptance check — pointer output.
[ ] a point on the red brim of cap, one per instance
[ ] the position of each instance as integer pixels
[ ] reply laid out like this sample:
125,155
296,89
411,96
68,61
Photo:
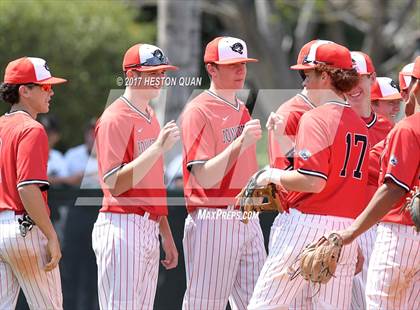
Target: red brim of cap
52,80
396,96
154,68
235,61
302,67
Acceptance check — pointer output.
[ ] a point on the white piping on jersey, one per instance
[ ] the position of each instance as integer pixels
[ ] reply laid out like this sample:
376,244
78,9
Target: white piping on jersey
306,99
389,175
18,111
314,173
224,100
373,121
145,116
342,103
113,170
23,183
193,162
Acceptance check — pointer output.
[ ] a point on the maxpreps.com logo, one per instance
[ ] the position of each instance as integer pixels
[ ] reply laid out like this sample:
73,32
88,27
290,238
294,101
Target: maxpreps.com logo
238,48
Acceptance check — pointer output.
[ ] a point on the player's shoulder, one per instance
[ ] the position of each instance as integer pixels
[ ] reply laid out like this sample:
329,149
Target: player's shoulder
298,103
198,105
409,127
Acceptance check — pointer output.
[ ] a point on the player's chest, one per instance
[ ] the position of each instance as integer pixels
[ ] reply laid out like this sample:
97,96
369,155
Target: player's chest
144,135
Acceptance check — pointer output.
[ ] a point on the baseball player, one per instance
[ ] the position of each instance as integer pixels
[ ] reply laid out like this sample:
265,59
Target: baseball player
404,78
29,246
378,127
393,276
130,147
330,164
386,98
223,256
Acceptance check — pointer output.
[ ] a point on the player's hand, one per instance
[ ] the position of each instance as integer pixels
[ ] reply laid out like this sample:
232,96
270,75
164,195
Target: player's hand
252,132
168,136
360,261
275,123
346,235
53,254
171,253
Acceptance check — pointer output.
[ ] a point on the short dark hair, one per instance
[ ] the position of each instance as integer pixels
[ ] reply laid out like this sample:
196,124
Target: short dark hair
342,80
9,93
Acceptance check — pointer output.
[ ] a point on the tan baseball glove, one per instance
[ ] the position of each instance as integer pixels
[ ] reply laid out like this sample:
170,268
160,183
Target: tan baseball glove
318,261
253,198
413,207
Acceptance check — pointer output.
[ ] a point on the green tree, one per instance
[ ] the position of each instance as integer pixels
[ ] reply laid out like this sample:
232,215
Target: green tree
82,41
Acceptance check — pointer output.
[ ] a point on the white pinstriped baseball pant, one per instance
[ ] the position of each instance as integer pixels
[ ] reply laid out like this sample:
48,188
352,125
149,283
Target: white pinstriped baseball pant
22,260
223,258
127,254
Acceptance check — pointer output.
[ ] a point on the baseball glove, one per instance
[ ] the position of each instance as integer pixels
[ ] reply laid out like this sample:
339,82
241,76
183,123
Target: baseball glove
318,261
253,198
413,207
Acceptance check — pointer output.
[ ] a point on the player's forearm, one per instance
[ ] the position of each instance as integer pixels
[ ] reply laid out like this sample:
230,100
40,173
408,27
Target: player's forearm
382,202
213,170
132,173
34,205
165,229
295,181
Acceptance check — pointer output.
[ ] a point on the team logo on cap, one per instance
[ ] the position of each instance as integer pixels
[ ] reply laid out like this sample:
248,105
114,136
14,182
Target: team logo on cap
158,54
305,154
46,67
238,48
393,160
393,84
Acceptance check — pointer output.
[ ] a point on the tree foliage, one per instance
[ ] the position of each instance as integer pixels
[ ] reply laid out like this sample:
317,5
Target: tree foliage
82,41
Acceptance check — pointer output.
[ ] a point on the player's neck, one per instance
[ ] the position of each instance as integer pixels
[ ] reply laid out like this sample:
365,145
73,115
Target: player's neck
329,95
364,109
139,102
23,107
227,94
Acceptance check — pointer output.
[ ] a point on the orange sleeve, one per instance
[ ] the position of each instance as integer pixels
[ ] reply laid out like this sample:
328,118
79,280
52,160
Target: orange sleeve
401,158
312,147
197,137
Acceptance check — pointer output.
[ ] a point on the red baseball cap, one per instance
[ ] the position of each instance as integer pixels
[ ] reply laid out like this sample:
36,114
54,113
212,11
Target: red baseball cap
304,51
27,70
362,63
404,76
146,57
227,50
326,52
384,88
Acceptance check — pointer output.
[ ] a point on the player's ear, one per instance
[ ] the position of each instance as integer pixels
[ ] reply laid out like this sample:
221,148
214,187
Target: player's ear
24,91
211,69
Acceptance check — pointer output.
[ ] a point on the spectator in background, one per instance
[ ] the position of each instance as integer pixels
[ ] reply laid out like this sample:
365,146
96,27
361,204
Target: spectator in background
81,160
57,167
79,275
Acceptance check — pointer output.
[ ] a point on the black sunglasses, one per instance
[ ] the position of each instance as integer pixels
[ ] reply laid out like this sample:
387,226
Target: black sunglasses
152,61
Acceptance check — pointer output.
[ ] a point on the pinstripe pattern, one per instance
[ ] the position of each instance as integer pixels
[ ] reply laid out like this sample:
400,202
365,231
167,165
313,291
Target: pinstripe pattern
223,259
127,254
21,265
274,290
393,280
366,242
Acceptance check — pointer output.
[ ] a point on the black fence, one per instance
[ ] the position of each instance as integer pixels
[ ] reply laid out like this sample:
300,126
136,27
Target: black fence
78,266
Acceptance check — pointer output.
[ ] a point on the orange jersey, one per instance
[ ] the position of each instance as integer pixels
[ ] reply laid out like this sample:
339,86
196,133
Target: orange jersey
122,133
378,128
209,125
332,143
400,163
280,154
23,158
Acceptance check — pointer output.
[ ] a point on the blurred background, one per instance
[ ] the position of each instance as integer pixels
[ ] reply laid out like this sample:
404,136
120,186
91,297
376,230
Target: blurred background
84,42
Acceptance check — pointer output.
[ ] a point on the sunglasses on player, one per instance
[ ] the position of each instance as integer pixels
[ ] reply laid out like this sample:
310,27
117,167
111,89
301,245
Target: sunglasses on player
44,87
152,61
